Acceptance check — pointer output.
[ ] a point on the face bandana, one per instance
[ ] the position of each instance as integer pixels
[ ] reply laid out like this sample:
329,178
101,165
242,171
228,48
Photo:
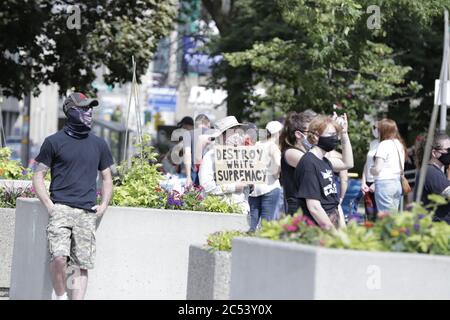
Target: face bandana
445,158
328,143
79,122
234,139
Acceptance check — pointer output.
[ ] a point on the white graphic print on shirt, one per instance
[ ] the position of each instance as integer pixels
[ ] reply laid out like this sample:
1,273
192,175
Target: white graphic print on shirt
331,187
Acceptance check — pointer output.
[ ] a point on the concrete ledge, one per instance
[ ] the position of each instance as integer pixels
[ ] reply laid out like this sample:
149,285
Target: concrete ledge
7,221
208,274
15,184
141,253
265,269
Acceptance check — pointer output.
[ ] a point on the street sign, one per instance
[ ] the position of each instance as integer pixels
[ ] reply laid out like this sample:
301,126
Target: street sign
162,99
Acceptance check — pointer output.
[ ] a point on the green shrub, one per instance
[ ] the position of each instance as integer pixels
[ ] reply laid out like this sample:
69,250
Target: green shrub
221,241
11,169
138,184
8,196
218,204
411,231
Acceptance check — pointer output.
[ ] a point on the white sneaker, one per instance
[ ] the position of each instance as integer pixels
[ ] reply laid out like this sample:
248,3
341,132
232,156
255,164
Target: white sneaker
56,297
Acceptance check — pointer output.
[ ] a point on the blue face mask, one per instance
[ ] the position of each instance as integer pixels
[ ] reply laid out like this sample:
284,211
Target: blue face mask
307,144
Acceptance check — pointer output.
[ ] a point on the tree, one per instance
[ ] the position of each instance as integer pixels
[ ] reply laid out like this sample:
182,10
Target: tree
40,46
322,53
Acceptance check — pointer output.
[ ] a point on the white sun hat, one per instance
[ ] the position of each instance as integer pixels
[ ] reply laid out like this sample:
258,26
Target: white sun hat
222,125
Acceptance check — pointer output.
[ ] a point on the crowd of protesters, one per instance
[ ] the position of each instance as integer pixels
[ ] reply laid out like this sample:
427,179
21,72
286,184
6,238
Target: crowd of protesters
308,157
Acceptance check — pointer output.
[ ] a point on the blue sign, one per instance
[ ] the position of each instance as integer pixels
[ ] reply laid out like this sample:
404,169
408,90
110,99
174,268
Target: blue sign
194,59
162,99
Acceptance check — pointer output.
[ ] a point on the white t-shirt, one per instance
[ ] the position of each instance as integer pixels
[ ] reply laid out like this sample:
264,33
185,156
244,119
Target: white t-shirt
389,151
369,161
271,150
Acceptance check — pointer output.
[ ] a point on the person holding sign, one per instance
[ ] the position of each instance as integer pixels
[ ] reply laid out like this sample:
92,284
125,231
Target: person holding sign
264,198
228,132
317,189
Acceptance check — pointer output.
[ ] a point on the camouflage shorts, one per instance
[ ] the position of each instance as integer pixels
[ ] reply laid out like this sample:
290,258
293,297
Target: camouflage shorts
71,233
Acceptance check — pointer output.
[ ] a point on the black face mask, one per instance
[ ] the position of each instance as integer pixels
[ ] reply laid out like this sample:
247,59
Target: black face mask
445,158
79,122
328,143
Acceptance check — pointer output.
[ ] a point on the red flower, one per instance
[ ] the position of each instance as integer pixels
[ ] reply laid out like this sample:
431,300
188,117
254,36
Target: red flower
368,224
158,189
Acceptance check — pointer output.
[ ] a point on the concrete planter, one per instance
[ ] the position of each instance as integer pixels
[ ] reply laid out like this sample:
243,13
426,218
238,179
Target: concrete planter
7,220
141,253
15,184
264,269
208,274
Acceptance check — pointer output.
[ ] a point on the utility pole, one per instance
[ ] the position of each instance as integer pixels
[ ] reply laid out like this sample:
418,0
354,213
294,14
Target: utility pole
26,131
440,100
445,66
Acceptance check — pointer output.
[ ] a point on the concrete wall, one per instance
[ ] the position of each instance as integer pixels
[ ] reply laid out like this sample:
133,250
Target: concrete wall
209,274
7,220
141,253
14,184
264,269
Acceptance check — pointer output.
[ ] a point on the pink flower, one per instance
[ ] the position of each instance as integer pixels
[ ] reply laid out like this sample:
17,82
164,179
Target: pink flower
200,197
308,221
290,228
296,220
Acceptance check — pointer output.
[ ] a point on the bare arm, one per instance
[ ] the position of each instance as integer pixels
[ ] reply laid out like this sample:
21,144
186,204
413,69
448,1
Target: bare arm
319,214
39,186
107,191
293,156
343,175
347,155
187,156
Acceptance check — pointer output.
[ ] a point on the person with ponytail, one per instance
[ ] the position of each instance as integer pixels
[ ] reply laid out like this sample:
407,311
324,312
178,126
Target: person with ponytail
317,191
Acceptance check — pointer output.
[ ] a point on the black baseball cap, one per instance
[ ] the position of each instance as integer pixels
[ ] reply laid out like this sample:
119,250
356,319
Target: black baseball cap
78,99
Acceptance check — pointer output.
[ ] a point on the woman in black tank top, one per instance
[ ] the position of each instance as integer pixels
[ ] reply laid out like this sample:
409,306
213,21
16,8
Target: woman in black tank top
293,138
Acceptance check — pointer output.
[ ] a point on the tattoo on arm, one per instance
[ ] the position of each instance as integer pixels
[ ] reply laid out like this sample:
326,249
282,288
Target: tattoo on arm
40,167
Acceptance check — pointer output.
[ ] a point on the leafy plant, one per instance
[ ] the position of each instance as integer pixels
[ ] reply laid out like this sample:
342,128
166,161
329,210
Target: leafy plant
8,196
221,241
218,204
411,231
11,169
138,184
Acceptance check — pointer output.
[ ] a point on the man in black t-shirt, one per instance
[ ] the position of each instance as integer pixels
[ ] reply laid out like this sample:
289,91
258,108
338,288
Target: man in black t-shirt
436,181
74,156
